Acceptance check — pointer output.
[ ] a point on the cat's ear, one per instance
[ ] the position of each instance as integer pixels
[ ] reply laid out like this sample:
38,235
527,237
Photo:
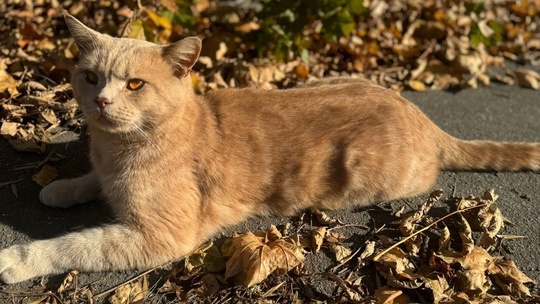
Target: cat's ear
182,55
85,37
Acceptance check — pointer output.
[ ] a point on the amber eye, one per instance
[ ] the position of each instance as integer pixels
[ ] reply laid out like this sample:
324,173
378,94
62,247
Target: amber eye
134,84
91,77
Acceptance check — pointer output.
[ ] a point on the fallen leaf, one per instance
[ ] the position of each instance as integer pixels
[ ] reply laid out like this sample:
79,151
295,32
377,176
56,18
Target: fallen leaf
130,293
45,176
526,78
342,252
417,85
408,224
387,295
135,30
317,238
9,128
465,233
509,278
324,219
252,260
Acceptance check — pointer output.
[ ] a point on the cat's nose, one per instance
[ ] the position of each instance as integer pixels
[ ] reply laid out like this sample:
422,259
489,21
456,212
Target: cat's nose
103,101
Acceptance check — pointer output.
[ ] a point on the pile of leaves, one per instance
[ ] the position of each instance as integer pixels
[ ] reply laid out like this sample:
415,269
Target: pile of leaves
421,45
456,258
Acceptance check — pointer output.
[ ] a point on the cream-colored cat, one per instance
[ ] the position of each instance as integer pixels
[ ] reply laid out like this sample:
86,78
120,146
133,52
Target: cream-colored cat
177,167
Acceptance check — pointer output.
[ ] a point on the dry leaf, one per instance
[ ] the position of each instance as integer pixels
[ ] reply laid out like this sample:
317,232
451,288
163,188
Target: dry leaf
439,287
408,225
252,260
220,53
45,176
342,252
528,78
9,128
466,236
387,295
324,219
417,85
444,239
135,30
509,278
317,238
131,292
208,256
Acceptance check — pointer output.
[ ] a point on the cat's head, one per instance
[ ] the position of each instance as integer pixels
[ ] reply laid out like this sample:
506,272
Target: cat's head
125,85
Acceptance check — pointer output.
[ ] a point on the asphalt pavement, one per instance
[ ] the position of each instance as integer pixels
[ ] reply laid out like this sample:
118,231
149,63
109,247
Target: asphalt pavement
502,113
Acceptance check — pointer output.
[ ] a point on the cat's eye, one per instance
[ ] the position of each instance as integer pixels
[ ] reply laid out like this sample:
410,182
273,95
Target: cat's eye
91,77
135,84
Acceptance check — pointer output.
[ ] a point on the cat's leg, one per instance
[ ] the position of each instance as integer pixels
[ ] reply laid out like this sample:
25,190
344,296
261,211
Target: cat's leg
68,192
111,247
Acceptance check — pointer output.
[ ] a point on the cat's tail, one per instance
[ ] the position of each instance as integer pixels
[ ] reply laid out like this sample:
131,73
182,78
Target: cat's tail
489,155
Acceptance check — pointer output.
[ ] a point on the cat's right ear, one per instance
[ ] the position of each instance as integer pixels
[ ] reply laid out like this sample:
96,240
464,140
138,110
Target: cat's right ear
85,37
182,55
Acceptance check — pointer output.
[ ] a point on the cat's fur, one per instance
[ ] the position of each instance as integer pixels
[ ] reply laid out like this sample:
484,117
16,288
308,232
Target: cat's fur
177,167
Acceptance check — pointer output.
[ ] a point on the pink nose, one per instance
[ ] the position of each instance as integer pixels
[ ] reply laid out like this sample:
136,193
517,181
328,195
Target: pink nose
102,102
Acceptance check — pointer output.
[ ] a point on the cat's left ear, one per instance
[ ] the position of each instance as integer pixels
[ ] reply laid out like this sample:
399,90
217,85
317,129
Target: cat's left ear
85,37
182,55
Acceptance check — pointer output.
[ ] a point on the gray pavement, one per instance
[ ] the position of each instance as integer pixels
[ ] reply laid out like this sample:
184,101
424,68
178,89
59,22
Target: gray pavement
502,113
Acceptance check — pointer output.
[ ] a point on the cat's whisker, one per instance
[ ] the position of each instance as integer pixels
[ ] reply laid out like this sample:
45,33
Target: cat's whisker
141,132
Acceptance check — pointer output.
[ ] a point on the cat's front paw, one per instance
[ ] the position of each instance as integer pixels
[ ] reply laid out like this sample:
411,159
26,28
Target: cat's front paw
12,267
59,194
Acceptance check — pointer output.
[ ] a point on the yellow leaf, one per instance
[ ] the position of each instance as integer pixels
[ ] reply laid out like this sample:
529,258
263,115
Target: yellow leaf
417,85
159,21
7,83
135,30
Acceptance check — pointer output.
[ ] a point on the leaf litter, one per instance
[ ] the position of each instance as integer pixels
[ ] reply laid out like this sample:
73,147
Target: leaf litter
418,45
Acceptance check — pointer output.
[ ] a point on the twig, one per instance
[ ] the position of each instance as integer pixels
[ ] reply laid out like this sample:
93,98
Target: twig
11,182
124,283
380,254
348,225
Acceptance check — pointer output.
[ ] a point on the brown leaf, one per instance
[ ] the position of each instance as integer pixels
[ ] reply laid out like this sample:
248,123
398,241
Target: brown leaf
131,292
444,239
408,224
387,295
7,83
324,219
439,287
9,128
252,260
398,260
509,278
208,256
342,252
317,238
465,233
68,280
528,78
45,176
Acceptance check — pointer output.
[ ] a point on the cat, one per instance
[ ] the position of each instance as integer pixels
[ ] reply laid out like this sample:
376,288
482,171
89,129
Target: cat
176,167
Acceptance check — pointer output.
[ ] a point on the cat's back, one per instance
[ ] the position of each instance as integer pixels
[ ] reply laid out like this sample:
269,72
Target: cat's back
356,95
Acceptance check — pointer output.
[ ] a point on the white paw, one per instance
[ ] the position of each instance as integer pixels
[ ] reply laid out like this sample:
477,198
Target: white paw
59,194
12,267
